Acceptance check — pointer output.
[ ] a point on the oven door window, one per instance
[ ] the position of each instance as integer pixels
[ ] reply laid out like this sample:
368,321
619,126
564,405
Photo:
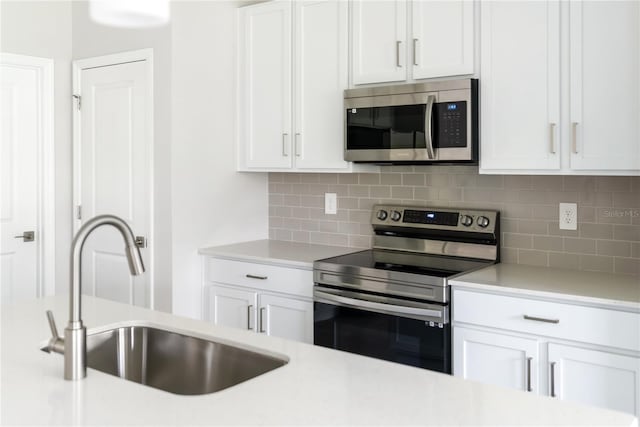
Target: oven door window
382,128
397,339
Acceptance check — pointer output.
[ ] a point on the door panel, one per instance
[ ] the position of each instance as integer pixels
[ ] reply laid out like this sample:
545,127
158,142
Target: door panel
495,358
235,308
115,176
520,85
596,378
20,129
605,85
286,318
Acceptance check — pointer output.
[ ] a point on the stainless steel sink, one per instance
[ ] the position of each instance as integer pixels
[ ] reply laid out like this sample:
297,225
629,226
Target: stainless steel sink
174,362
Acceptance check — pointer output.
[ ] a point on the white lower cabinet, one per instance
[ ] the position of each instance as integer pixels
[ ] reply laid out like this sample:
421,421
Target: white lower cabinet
494,358
267,299
566,351
597,378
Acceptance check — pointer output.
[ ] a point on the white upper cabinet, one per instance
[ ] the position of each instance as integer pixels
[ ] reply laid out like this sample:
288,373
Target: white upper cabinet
541,61
605,85
401,40
265,91
321,75
293,66
443,36
379,38
520,85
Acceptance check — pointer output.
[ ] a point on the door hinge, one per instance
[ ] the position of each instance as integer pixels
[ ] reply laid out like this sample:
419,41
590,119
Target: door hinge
141,241
79,98
79,212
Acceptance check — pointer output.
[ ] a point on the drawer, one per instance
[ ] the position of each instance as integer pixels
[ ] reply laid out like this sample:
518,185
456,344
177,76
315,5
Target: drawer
293,281
592,325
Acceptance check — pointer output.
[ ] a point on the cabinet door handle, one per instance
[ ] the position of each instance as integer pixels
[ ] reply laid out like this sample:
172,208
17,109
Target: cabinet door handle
253,276
262,310
574,137
398,43
249,308
529,359
541,319
285,151
552,138
298,145
415,52
552,379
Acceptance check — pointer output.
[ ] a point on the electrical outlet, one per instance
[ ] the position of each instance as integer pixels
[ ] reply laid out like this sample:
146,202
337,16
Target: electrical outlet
568,216
330,204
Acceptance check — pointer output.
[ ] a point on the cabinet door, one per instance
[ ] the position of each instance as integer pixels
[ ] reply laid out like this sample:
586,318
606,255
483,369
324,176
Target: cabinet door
232,307
265,84
321,56
605,85
442,43
286,318
595,378
520,85
378,34
495,358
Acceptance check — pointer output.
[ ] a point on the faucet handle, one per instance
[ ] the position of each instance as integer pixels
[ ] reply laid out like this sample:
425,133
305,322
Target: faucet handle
56,344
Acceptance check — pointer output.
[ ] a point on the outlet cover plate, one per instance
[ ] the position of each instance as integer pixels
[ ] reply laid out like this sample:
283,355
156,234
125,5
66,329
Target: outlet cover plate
330,204
568,216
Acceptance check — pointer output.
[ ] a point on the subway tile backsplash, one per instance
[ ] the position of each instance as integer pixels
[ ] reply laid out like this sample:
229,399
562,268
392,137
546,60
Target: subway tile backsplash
607,239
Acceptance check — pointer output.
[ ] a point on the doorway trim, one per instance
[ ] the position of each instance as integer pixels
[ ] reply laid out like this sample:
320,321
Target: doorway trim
141,55
46,262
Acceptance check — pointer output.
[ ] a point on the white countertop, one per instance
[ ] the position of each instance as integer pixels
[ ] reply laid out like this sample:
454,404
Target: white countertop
601,289
292,254
317,386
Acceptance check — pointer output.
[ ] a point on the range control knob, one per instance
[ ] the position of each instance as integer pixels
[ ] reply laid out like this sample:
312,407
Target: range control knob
466,220
382,215
395,216
482,221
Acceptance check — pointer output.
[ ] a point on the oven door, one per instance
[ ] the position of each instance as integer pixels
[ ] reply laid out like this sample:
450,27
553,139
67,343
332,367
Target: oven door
397,330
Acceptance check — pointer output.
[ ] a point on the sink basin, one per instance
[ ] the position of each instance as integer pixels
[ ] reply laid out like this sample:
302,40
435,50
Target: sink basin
174,362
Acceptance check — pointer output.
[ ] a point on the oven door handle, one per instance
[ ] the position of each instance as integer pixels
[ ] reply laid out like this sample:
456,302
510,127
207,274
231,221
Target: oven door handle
436,314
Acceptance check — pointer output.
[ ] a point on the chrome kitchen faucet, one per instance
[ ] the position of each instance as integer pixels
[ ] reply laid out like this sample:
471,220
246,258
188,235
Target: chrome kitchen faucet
74,344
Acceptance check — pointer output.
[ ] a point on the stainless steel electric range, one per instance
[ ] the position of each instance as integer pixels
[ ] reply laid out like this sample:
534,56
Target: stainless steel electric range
392,302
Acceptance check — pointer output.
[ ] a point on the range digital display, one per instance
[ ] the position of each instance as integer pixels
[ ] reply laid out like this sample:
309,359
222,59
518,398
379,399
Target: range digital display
430,217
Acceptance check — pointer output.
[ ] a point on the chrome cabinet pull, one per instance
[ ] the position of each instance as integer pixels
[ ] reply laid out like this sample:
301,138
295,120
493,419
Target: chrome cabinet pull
27,236
529,359
574,137
262,310
552,379
398,54
541,319
249,308
298,144
552,137
415,52
253,276
285,151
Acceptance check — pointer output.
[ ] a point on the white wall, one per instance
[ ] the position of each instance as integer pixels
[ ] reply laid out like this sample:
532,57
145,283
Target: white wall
91,39
212,204
44,29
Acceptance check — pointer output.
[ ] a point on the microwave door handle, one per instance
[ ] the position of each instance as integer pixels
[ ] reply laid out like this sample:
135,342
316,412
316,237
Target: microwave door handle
428,127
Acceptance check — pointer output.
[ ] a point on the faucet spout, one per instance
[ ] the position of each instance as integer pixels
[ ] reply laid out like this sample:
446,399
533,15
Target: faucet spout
74,342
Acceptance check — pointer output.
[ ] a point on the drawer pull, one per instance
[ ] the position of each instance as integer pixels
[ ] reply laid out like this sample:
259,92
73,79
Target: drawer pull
529,359
541,319
253,276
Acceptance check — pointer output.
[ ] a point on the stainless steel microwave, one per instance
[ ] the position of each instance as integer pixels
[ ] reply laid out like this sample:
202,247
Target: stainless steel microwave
413,123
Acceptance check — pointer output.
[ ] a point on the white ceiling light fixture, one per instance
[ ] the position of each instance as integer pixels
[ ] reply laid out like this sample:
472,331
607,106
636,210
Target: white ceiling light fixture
130,13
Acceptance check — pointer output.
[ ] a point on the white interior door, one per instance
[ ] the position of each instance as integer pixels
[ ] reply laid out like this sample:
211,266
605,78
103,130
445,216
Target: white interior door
113,174
23,130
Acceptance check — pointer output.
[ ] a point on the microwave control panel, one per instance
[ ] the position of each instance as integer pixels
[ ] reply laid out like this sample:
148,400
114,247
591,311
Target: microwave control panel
451,124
